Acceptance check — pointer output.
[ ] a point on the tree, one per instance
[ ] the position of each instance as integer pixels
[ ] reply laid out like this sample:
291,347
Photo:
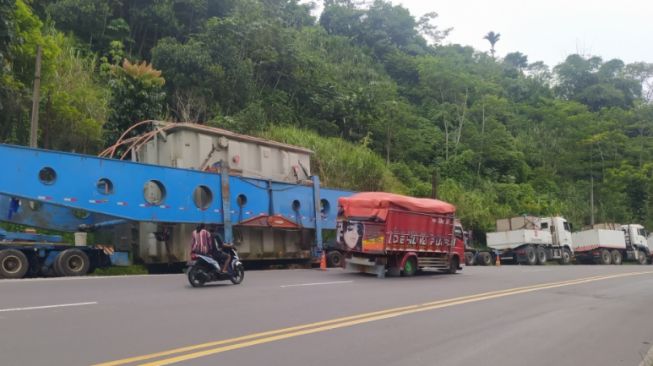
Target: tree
493,38
73,100
516,60
136,95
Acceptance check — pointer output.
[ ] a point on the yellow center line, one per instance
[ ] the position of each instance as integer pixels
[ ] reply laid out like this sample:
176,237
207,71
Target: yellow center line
284,333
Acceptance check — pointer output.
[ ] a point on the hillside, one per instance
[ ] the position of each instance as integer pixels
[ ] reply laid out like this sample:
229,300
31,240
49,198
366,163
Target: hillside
375,91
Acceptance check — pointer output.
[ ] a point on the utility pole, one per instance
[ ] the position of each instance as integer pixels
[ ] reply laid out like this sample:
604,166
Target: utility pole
592,200
34,126
592,185
434,184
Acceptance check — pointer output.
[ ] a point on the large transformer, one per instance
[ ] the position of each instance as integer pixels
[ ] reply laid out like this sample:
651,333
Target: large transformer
199,147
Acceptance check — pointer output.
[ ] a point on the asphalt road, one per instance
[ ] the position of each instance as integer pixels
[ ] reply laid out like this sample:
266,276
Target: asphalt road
511,315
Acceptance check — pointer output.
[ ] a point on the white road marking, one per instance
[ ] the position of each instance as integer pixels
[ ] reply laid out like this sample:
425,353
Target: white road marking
22,280
316,284
49,306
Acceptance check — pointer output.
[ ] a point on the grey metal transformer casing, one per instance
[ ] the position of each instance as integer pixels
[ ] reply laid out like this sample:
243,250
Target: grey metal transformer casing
186,146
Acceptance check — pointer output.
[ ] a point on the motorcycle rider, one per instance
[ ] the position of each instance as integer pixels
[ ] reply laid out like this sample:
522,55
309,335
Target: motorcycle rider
222,250
210,244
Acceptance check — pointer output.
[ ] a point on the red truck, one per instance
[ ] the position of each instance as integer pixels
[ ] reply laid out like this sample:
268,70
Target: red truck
381,232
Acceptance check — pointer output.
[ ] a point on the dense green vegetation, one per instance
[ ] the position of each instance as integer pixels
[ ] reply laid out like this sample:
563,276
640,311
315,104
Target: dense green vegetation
372,90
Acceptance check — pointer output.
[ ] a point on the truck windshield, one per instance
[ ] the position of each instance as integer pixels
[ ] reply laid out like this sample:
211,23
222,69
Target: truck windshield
566,226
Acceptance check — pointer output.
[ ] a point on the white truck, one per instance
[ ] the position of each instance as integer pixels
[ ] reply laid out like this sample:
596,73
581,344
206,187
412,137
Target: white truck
612,244
528,240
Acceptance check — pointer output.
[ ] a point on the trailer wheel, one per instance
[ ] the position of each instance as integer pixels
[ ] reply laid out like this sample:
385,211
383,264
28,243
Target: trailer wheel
453,265
410,267
485,258
616,257
334,259
641,257
541,255
531,257
470,259
13,263
605,257
55,270
72,262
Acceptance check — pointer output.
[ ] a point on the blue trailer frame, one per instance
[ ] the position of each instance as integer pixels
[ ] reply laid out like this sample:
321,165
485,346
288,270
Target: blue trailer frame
45,189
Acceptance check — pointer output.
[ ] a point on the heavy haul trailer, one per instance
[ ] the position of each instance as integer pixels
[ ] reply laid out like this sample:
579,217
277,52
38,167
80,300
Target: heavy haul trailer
527,240
270,219
386,232
199,147
611,244
27,254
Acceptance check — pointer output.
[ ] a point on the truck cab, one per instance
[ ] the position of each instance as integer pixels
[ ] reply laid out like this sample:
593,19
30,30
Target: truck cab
560,230
635,236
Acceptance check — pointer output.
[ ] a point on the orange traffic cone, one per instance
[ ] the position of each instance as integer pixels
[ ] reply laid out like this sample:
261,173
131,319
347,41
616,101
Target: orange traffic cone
498,260
323,265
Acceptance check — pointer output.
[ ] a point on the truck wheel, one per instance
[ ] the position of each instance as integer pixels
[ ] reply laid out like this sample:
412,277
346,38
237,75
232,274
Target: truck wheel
453,265
565,257
72,262
531,257
486,258
641,257
616,257
410,267
605,257
334,259
470,259
55,270
541,255
13,263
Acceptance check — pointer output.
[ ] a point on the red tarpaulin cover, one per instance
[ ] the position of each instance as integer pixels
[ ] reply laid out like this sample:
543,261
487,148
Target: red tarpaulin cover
377,204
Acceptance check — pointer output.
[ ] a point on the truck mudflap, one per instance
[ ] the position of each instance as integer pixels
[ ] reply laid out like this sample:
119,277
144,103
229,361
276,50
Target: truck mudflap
374,266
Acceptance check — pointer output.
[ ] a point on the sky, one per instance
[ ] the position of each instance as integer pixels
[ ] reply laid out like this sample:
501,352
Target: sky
548,30
545,30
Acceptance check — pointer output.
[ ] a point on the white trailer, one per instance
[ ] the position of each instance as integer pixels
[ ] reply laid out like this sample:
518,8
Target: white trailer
528,240
611,244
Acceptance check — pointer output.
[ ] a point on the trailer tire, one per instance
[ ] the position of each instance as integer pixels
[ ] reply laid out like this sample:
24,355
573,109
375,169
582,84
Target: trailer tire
565,256
531,256
410,267
641,257
55,270
72,262
470,259
605,257
617,259
541,255
335,259
484,258
13,263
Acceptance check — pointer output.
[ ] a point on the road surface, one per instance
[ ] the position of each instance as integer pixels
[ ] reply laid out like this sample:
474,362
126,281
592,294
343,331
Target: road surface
509,315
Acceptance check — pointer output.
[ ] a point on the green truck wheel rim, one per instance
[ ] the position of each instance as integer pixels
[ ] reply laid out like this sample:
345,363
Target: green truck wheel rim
408,266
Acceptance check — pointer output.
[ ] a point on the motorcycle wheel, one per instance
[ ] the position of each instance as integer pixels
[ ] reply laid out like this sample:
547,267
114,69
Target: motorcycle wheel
196,277
239,274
